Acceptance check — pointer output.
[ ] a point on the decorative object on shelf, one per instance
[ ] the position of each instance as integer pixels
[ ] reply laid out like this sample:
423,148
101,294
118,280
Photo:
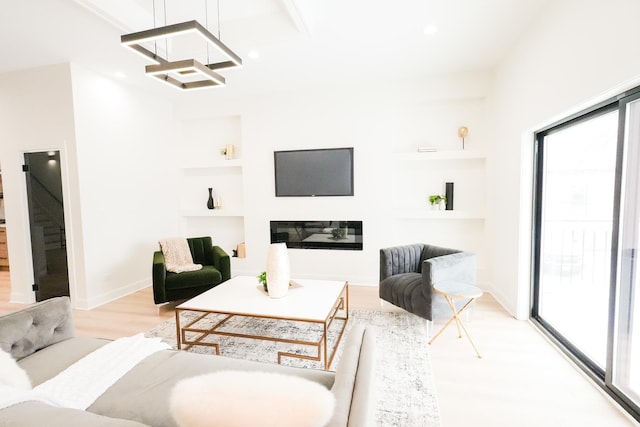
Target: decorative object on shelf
242,250
462,132
229,151
262,278
278,270
182,73
210,202
449,195
437,201
427,149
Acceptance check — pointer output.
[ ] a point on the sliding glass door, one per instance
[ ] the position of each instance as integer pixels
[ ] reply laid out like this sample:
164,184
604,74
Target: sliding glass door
586,281
577,174
626,361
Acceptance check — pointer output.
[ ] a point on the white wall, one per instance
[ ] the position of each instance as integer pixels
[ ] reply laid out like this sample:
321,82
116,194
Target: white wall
580,52
36,114
378,122
128,200
118,189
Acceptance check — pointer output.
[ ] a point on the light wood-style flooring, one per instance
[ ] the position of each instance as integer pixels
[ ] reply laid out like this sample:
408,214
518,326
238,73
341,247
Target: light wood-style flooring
521,381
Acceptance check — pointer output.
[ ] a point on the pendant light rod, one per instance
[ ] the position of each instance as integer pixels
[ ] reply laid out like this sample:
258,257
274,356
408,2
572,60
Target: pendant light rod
219,38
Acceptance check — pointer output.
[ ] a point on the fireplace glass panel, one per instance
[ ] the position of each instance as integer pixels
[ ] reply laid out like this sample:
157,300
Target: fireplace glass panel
341,235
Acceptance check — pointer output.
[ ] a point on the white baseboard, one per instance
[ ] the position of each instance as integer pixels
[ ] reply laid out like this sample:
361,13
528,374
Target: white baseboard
112,295
17,297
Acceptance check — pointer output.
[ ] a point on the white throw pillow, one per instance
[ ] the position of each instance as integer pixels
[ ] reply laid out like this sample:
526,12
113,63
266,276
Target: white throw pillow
250,399
11,374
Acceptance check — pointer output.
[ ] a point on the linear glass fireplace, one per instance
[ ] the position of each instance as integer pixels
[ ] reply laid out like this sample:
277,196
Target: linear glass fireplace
342,235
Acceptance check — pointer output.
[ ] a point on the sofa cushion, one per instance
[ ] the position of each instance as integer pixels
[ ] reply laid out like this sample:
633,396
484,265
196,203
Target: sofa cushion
143,394
248,399
406,291
49,362
189,279
30,414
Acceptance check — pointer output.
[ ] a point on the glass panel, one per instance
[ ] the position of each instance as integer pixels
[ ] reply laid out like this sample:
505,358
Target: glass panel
576,224
46,219
627,341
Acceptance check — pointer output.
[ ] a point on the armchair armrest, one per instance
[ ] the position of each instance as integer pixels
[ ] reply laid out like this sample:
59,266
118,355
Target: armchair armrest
159,274
458,266
222,262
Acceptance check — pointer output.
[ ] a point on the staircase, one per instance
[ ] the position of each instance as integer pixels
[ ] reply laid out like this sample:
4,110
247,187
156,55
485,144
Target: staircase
54,235
48,215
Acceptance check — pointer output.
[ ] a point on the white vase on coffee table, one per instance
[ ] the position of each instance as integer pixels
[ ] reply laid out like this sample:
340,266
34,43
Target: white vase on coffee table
278,274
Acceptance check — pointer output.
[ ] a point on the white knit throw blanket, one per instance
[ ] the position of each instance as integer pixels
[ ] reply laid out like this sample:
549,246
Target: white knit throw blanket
79,385
177,255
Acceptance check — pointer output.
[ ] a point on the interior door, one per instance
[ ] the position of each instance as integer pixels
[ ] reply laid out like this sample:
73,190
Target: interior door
46,220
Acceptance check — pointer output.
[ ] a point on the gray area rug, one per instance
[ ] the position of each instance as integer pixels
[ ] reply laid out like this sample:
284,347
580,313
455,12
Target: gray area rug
405,393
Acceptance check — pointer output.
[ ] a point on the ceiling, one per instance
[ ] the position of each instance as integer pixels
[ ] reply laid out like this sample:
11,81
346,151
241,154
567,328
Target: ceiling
301,43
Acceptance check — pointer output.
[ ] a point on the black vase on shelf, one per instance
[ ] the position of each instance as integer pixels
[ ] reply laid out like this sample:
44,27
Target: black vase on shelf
210,204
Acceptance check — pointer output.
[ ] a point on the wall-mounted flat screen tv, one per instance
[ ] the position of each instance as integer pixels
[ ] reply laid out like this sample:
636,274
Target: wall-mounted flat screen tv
320,172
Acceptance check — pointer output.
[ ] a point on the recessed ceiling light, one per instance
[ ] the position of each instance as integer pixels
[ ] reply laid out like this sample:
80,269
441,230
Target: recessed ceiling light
254,54
430,29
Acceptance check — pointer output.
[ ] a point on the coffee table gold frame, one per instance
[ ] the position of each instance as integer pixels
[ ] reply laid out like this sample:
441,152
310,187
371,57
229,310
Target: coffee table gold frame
322,355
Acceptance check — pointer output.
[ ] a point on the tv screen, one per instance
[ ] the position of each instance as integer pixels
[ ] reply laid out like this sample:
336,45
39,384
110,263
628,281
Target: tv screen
322,172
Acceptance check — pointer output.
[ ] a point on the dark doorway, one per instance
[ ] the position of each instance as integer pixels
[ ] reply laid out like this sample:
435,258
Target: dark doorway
46,220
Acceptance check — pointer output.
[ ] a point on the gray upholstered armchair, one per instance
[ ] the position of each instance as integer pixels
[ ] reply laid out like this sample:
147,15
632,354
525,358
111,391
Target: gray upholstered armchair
407,275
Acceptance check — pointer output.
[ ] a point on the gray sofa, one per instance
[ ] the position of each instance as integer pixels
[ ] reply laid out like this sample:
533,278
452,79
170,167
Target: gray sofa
41,338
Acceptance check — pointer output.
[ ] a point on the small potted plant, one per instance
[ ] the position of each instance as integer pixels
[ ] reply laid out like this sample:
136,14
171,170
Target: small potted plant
338,233
262,278
437,201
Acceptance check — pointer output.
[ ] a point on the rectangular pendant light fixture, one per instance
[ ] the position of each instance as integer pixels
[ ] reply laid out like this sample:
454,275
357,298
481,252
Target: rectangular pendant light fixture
171,71
182,68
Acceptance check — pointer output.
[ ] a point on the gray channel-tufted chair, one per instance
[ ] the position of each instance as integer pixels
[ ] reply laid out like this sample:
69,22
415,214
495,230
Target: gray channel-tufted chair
407,275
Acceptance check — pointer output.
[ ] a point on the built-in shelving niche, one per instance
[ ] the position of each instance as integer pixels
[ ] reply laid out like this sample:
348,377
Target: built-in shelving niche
203,166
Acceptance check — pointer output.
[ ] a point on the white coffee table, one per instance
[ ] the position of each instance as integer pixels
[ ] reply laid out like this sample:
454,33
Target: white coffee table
311,301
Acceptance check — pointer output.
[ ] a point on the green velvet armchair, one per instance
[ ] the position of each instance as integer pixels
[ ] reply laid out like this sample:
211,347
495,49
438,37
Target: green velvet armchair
216,268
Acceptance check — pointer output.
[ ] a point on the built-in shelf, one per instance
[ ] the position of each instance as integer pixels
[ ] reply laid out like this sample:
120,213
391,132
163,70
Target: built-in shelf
219,212
427,213
234,163
442,155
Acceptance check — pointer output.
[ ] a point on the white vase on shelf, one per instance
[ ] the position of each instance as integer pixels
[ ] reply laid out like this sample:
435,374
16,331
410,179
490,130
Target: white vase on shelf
278,274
